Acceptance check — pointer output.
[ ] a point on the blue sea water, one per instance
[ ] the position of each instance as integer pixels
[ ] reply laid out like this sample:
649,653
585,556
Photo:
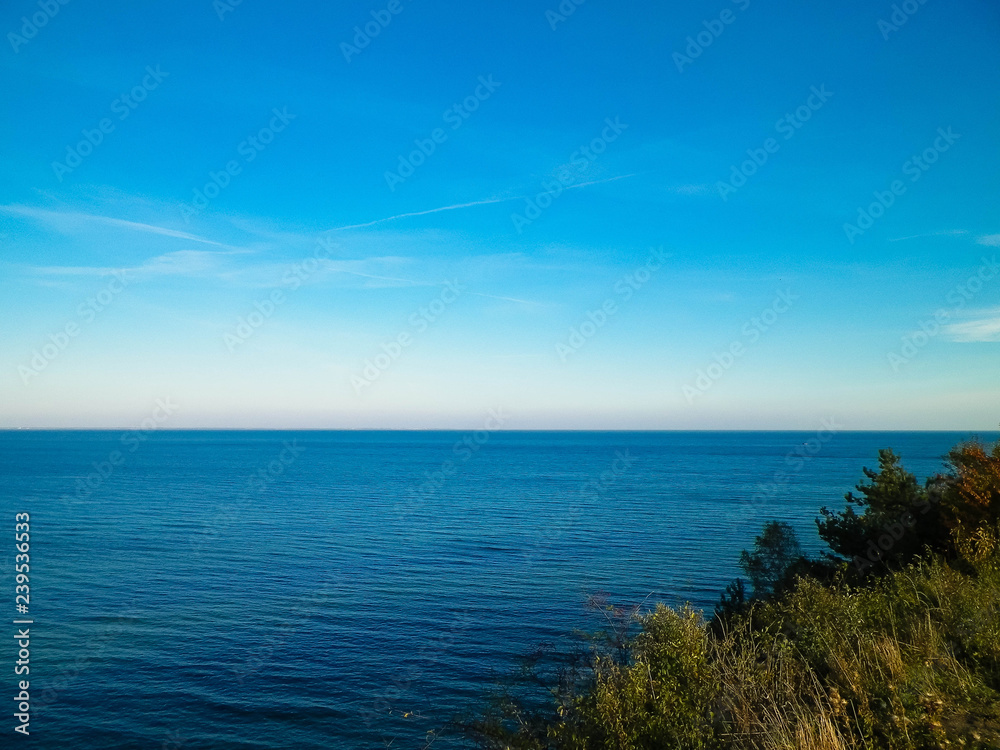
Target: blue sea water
359,589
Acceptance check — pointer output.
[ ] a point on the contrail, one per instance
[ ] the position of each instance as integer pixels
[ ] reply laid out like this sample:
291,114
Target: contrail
599,182
929,234
507,299
424,213
51,216
380,278
467,205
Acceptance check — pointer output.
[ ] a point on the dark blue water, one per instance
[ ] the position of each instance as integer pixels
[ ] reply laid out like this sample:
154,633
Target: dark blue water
352,589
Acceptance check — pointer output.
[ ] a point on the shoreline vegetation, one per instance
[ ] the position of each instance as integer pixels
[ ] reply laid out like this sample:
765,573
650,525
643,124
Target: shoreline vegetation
890,640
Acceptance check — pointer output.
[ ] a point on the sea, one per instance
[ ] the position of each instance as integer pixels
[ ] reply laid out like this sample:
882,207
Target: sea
362,589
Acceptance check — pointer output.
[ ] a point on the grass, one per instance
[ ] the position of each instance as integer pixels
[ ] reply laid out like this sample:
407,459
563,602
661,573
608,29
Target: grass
823,659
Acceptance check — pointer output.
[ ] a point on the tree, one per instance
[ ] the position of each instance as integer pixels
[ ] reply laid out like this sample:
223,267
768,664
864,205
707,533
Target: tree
970,493
776,551
899,519
771,569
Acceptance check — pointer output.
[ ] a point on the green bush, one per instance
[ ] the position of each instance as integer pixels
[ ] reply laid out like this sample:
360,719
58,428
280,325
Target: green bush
821,657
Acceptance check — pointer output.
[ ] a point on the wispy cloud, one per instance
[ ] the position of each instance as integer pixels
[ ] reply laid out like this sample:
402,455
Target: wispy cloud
214,264
342,268
989,239
690,189
71,271
527,302
424,213
179,263
985,328
457,206
945,233
72,220
183,263
601,182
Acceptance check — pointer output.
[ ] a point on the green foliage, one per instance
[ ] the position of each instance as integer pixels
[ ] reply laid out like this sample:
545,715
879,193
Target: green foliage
898,519
970,492
772,568
660,698
818,658
732,603
776,550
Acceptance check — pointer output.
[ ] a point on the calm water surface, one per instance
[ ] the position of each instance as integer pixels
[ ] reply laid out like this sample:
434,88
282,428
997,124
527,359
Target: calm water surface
308,589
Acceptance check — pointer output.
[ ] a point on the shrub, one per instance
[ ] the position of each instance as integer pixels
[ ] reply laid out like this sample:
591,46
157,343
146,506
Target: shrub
898,519
817,658
970,494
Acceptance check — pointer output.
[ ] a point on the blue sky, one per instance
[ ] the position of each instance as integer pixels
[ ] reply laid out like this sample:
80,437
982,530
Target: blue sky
654,290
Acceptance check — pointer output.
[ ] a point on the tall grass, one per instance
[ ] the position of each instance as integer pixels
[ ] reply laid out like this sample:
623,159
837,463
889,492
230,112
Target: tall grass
906,660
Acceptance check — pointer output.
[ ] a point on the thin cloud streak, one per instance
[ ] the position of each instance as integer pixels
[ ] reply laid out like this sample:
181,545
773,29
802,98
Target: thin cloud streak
410,282
984,330
52,217
423,213
206,264
601,182
949,232
468,205
179,263
513,299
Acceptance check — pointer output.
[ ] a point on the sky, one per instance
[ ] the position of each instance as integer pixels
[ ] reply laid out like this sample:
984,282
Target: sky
722,214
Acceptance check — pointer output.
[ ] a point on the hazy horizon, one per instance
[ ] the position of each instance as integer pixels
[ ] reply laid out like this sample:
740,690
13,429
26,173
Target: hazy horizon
724,216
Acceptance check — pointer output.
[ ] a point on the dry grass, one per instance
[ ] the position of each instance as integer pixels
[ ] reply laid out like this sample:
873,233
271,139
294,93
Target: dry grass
909,663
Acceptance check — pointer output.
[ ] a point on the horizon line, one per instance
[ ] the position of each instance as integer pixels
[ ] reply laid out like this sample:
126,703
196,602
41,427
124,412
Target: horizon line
465,429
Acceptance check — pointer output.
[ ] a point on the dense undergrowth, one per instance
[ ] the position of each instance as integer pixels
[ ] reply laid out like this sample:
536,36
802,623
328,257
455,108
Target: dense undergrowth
890,641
